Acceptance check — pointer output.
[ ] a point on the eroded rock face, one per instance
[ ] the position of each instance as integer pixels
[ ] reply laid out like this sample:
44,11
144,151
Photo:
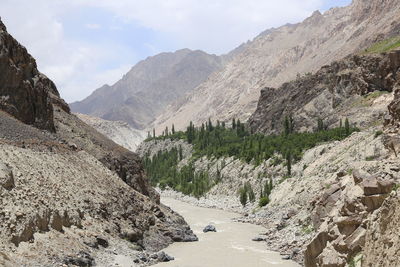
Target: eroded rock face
330,94
25,93
341,215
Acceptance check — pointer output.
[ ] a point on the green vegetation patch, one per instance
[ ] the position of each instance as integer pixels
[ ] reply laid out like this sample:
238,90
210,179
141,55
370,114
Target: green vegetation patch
217,140
162,169
384,46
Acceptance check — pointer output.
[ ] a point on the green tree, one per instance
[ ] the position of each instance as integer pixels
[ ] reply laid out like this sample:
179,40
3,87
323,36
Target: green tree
347,127
180,153
210,126
289,162
243,196
252,196
173,129
288,125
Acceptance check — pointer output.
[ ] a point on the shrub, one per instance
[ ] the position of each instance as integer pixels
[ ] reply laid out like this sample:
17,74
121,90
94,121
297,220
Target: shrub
243,196
263,201
378,133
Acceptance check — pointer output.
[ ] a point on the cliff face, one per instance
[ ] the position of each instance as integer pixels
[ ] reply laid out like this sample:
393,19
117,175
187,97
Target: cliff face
149,87
25,92
278,55
66,191
332,93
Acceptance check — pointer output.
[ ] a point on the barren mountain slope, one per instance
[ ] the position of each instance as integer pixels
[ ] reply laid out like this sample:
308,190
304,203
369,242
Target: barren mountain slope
151,85
344,89
278,55
69,195
118,131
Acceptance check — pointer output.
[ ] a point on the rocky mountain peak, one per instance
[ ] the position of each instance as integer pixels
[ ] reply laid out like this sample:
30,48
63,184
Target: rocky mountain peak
151,85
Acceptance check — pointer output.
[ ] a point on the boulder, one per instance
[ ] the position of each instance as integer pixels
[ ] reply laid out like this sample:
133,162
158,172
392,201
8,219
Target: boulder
331,258
375,186
133,235
356,240
360,175
209,228
83,259
314,248
373,202
102,241
164,257
6,177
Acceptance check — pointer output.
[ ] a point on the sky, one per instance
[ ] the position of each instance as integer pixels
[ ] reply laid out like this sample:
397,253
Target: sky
84,44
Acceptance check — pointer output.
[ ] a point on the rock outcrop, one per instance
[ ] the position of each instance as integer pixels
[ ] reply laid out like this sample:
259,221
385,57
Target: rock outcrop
341,216
333,93
149,87
279,55
25,93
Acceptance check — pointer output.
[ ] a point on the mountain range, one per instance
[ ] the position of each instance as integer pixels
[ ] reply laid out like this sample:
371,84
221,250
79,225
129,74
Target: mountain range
149,87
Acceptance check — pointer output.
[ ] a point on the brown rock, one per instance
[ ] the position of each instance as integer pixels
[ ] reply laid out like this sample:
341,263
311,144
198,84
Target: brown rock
360,175
6,177
314,248
373,202
356,240
331,258
374,186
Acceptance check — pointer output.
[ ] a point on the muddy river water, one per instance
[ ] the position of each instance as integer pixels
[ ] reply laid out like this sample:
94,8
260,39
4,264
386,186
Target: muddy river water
230,246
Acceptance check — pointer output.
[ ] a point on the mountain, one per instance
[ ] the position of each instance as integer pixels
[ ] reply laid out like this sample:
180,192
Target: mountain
151,85
279,55
118,131
67,191
337,91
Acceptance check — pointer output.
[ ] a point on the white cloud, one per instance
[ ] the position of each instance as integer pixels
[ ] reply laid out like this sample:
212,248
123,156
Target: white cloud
213,25
77,66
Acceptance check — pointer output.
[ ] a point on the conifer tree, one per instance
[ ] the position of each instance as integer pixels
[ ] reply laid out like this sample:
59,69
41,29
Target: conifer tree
210,126
173,129
289,162
347,126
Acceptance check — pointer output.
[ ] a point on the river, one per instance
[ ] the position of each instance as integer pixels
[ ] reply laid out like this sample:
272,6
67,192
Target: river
230,246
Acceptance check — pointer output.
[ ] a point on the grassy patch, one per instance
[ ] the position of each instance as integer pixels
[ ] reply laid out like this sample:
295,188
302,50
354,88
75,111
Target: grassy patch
307,229
367,100
370,158
384,46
